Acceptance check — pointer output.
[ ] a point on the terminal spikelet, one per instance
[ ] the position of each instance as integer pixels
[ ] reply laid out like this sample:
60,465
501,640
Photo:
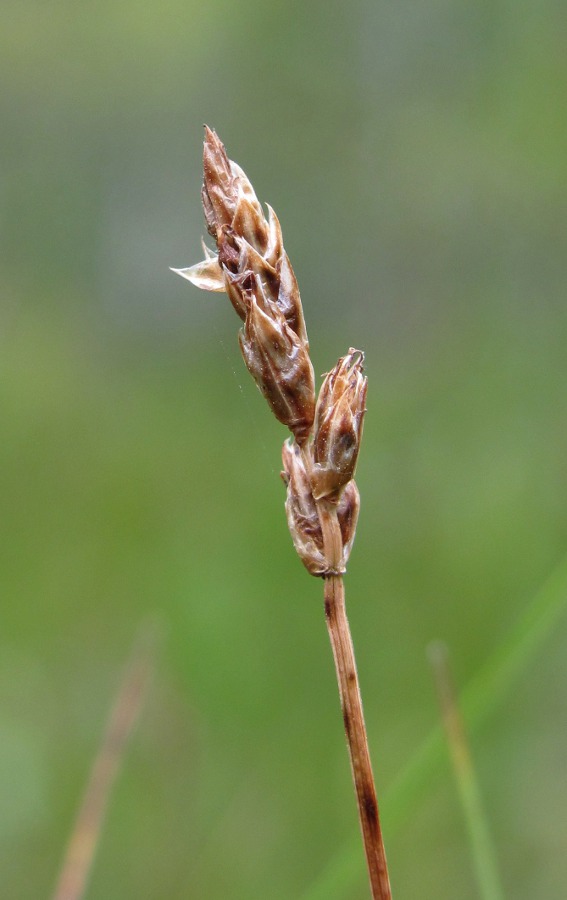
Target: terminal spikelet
252,267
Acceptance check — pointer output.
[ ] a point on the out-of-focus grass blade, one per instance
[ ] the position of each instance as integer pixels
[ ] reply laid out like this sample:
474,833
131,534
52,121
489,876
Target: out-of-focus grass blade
477,701
480,841
73,878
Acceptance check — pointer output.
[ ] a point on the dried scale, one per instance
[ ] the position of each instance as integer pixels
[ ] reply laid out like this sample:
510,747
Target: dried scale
251,266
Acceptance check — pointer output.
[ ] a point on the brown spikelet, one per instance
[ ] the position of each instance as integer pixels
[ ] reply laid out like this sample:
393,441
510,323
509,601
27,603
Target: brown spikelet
252,267
338,425
303,516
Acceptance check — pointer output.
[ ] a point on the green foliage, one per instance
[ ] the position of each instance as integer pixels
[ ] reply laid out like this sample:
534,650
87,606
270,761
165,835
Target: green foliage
416,156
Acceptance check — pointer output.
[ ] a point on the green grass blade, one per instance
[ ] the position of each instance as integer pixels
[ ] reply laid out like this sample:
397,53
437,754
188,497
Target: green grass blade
483,693
480,841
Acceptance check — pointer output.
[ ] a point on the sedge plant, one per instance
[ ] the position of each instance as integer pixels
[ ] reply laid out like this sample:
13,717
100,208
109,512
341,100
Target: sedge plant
251,266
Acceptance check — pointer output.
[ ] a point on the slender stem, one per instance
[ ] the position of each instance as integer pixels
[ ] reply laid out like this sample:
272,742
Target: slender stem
351,702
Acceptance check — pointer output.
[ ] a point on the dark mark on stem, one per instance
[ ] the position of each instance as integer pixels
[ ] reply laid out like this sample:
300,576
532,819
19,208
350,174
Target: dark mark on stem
370,806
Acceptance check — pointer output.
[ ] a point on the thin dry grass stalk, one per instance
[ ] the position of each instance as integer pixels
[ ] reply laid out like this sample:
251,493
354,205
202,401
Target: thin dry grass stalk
81,848
251,266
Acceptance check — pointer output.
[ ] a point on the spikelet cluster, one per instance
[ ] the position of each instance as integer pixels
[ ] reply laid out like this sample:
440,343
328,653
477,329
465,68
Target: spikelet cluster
251,266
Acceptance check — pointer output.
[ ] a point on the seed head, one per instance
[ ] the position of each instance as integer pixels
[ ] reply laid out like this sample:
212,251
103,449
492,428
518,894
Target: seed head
252,267
303,518
338,426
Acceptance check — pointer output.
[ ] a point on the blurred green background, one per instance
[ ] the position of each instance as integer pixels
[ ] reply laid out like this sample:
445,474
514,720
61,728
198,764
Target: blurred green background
416,156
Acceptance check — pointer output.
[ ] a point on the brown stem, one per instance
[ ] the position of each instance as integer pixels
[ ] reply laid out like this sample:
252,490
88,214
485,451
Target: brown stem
351,702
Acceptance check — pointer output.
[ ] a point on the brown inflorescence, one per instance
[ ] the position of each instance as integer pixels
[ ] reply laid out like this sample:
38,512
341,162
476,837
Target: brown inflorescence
251,266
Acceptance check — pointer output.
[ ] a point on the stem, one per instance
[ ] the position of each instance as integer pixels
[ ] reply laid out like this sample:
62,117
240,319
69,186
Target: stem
351,703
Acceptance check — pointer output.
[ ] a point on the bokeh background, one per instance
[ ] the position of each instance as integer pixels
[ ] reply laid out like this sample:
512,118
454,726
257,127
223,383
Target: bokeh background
416,155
